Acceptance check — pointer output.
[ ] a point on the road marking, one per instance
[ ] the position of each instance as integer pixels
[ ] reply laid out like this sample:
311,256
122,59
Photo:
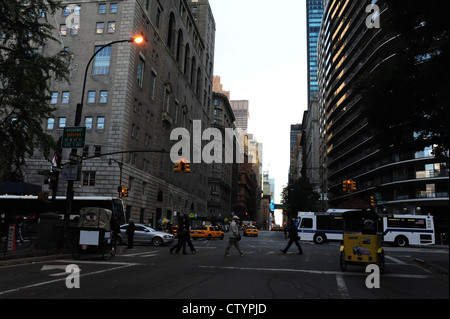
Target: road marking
119,264
316,272
397,261
342,287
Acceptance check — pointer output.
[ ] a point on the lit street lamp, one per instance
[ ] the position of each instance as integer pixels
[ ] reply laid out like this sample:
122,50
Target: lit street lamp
139,39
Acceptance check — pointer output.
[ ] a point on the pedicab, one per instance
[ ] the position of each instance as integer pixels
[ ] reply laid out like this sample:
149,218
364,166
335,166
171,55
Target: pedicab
362,239
94,233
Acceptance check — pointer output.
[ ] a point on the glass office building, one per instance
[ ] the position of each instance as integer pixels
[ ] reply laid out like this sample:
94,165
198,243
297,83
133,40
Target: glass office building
314,15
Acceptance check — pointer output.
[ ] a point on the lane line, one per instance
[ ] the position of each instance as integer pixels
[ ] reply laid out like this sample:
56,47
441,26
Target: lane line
342,287
316,272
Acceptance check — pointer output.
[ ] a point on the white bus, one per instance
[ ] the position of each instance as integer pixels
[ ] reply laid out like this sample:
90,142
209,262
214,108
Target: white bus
31,207
320,227
404,230
401,230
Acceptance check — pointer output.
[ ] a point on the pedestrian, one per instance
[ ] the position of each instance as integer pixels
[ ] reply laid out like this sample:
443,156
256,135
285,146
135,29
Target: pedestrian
293,238
234,237
130,233
188,234
181,234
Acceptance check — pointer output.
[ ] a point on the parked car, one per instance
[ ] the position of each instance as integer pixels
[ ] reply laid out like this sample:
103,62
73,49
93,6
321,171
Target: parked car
145,235
207,232
251,231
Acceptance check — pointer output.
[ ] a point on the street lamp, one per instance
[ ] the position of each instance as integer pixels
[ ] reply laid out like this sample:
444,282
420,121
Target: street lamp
139,39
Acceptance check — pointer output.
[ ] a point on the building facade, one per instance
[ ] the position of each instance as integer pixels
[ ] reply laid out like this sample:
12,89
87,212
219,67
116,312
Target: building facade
314,14
135,96
222,176
400,181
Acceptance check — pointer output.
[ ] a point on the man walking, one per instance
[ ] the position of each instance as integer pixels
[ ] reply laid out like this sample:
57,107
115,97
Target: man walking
293,238
234,237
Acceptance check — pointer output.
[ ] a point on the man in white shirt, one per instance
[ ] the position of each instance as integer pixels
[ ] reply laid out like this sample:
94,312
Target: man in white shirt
234,237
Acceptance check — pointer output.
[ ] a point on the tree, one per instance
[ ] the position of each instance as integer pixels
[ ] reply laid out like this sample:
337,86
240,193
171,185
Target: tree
300,196
25,76
407,96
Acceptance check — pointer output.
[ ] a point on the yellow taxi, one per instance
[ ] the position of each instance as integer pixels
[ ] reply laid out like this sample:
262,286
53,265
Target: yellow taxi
251,231
207,232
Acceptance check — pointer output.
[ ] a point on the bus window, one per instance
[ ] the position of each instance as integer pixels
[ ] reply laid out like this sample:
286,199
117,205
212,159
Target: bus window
306,223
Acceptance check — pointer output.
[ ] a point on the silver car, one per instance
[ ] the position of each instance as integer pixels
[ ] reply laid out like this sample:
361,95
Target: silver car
145,235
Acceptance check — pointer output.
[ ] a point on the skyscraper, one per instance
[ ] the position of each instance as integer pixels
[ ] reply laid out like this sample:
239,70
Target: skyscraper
314,15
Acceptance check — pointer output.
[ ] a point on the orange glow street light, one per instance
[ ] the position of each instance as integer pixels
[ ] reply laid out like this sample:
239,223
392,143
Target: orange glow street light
139,39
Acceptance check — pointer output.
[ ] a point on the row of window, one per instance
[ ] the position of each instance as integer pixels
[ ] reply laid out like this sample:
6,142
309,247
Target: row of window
102,9
99,28
93,97
88,122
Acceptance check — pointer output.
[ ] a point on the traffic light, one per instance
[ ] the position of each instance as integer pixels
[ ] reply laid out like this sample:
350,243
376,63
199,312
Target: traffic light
124,192
177,168
353,186
344,187
372,200
187,168
182,167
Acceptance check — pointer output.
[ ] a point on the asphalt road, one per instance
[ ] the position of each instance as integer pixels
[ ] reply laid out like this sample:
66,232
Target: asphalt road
263,273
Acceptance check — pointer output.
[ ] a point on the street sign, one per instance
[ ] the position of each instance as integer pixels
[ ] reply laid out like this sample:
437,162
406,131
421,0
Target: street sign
71,172
73,137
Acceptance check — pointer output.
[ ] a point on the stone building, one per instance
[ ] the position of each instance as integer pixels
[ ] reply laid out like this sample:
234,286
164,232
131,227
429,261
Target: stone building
135,96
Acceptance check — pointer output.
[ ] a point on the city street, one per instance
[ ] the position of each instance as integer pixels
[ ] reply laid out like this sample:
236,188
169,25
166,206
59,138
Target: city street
262,273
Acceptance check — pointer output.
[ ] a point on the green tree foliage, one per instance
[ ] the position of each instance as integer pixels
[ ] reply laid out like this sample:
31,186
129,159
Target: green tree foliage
407,96
300,196
25,76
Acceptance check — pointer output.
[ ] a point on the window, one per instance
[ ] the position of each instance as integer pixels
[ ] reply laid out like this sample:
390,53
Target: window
97,150
152,85
54,98
62,122
50,123
74,29
140,72
100,123
101,62
86,151
65,97
103,96
102,8
100,27
88,178
111,26
88,122
113,8
63,29
306,223
91,97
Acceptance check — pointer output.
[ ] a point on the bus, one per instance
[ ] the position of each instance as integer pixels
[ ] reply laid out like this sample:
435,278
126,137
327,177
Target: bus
30,207
320,227
400,230
405,230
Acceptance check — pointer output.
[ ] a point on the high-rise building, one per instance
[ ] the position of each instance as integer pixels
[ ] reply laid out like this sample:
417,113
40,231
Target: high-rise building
241,109
314,14
400,180
136,95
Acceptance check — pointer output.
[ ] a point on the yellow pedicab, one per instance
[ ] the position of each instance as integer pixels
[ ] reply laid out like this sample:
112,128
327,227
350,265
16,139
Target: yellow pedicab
362,240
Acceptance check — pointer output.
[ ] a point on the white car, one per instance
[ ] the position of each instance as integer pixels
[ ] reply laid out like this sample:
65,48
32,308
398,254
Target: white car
145,235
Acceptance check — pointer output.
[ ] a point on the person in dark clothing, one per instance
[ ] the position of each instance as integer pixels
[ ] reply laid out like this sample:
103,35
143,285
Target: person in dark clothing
130,233
181,234
187,237
293,238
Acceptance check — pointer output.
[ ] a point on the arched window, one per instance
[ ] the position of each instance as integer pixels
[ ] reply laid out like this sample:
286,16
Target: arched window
179,55
171,32
186,60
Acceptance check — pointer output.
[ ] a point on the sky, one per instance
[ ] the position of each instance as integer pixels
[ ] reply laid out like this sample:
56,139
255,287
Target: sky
260,55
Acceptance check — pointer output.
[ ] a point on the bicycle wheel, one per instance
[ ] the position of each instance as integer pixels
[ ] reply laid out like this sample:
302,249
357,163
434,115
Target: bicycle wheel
107,251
